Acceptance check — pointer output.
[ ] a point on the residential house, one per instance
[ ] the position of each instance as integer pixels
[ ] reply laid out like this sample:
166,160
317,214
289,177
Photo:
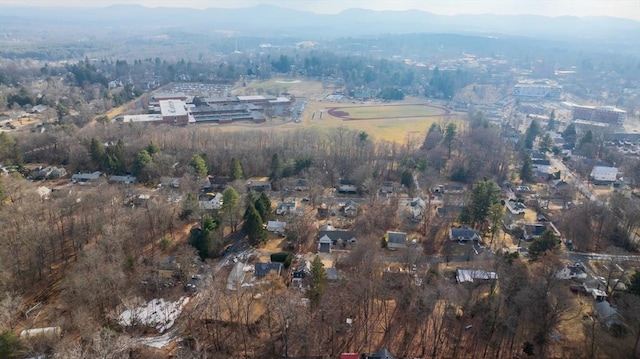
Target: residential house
516,207
535,230
575,271
216,183
276,226
396,240
128,179
449,189
301,272
596,288
286,208
390,187
609,316
541,166
350,208
603,174
263,269
382,354
336,236
210,201
302,185
347,186
259,184
324,244
469,275
463,235
323,211
416,209
49,172
85,177
535,155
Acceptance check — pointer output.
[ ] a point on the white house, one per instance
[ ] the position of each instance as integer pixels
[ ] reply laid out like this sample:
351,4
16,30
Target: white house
572,272
604,174
542,166
210,200
276,226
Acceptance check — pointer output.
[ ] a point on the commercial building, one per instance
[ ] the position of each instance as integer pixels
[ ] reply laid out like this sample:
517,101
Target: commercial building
604,174
174,112
538,90
604,114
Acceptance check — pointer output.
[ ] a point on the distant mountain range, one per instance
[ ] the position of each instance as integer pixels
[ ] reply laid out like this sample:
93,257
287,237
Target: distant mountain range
271,21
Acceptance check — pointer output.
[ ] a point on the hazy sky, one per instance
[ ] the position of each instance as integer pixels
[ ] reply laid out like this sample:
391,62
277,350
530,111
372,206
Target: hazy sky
618,8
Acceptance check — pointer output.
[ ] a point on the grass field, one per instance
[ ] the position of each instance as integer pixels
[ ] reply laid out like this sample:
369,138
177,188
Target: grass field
296,87
399,122
385,111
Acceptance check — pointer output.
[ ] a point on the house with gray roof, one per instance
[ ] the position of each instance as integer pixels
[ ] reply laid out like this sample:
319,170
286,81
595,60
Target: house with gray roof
396,240
463,235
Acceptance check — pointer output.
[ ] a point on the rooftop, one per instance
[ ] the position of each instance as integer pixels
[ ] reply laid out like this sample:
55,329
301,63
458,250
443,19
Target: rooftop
173,108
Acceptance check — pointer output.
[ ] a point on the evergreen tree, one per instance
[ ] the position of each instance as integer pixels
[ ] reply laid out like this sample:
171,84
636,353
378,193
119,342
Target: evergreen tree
531,134
236,170
9,345
153,148
318,281
547,241
526,172
449,136
253,226
545,144
263,205
276,167
407,179
204,239
587,138
116,159
230,206
551,125
143,159
97,154
483,195
199,165
569,134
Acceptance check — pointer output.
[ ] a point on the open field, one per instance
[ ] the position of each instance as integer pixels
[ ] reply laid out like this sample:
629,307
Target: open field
400,121
375,112
296,87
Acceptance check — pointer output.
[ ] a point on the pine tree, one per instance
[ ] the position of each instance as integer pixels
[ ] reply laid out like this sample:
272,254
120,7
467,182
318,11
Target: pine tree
97,154
526,172
449,137
236,170
153,148
253,227
263,205
276,167
547,241
199,165
318,281
143,159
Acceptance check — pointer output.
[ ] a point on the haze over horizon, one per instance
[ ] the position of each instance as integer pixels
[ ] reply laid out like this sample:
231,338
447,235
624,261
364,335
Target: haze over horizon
627,9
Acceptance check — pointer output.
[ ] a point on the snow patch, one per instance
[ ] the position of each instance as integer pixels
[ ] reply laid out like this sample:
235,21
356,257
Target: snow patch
158,313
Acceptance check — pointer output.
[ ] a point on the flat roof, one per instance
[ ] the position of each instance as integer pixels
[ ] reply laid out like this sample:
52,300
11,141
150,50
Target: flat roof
251,98
605,169
173,108
169,95
141,118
